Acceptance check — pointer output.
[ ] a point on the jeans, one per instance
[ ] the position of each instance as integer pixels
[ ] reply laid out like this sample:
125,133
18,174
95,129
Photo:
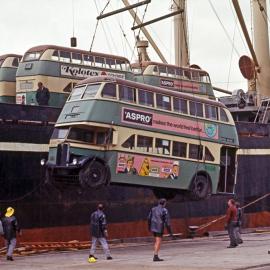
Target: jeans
103,243
10,244
232,233
238,234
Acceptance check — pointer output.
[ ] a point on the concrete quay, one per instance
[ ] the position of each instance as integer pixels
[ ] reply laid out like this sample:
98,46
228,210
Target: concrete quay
187,254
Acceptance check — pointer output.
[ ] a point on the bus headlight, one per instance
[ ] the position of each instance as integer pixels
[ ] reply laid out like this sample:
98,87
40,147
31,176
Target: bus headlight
75,161
42,162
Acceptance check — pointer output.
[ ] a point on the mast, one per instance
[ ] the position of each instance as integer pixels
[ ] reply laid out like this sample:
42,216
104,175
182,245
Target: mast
261,44
180,34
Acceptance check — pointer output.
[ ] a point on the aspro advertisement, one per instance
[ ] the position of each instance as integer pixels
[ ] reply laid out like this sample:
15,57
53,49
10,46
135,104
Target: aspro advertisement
147,166
171,123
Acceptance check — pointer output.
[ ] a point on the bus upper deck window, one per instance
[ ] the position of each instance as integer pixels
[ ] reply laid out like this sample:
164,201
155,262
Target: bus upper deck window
196,108
127,65
187,74
195,76
204,78
76,58
162,71
180,105
162,146
127,93
15,62
76,93
91,91
99,61
171,72
109,90
211,112
31,56
1,62
129,143
64,56
163,102
55,55
88,60
179,73
137,70
223,115
110,63
144,143
146,98
119,64
195,151
179,149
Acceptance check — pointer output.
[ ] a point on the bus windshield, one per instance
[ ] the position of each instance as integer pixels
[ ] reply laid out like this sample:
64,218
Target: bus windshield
77,93
31,56
59,133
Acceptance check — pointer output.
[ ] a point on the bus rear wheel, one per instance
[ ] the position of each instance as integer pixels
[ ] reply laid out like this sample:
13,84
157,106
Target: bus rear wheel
94,175
200,187
167,194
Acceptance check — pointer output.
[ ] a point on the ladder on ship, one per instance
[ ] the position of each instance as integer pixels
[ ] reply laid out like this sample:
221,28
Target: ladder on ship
263,113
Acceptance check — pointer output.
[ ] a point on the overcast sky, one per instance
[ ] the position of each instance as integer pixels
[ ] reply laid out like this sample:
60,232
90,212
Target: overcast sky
27,23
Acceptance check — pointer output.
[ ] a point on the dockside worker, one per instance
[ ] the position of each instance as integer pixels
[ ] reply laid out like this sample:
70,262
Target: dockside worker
42,95
99,233
231,222
159,218
238,223
10,228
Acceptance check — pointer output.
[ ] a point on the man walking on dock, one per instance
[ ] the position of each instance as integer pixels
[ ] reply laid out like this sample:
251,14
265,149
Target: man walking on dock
231,222
10,228
99,233
158,218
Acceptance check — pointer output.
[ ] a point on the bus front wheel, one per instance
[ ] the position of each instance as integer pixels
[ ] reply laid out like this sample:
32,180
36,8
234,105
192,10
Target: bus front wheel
200,187
94,175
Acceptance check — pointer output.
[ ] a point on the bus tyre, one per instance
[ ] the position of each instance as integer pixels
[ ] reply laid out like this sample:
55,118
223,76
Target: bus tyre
94,175
167,194
200,187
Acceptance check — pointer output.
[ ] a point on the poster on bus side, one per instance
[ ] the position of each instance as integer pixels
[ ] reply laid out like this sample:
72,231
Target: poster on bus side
147,166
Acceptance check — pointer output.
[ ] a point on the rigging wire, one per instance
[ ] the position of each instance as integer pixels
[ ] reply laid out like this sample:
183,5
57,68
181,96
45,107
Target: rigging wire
263,12
73,18
226,32
95,31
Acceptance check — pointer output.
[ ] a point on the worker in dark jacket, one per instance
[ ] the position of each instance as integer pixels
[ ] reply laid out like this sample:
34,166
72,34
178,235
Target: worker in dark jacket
99,233
42,95
159,218
238,223
10,228
231,222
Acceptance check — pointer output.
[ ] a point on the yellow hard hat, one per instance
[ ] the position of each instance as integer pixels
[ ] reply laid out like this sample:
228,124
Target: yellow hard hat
10,212
92,260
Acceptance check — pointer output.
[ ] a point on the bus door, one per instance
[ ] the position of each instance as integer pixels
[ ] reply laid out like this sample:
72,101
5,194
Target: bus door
228,170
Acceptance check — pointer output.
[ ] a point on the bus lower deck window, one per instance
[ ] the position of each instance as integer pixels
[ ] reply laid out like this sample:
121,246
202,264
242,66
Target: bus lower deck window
144,143
129,143
179,149
162,146
180,105
146,98
195,151
208,155
109,90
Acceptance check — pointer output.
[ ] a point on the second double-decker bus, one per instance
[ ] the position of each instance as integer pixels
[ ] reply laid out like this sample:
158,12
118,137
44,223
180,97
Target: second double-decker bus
60,68
184,79
114,131
8,67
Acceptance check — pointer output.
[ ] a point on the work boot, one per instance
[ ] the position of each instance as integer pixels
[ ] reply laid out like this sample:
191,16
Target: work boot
240,241
157,259
109,258
92,256
232,246
9,258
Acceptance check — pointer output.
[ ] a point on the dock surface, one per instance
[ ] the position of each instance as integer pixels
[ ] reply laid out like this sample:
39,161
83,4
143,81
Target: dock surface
187,254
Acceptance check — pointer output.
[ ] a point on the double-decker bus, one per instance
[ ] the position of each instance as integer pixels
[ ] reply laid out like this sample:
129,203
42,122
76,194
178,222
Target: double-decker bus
184,79
114,131
8,67
60,68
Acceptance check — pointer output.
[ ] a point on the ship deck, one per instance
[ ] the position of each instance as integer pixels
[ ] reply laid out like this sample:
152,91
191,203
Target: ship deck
187,254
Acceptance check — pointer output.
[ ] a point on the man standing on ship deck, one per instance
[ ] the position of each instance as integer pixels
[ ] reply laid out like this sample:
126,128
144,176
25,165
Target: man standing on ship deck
99,233
158,218
10,228
42,95
231,222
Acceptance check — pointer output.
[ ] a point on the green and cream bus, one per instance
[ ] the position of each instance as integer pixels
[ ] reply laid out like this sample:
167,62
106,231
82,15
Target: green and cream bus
184,79
8,67
114,131
60,68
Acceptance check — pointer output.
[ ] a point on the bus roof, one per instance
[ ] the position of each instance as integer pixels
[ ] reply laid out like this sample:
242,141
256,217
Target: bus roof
45,47
145,64
151,89
4,56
